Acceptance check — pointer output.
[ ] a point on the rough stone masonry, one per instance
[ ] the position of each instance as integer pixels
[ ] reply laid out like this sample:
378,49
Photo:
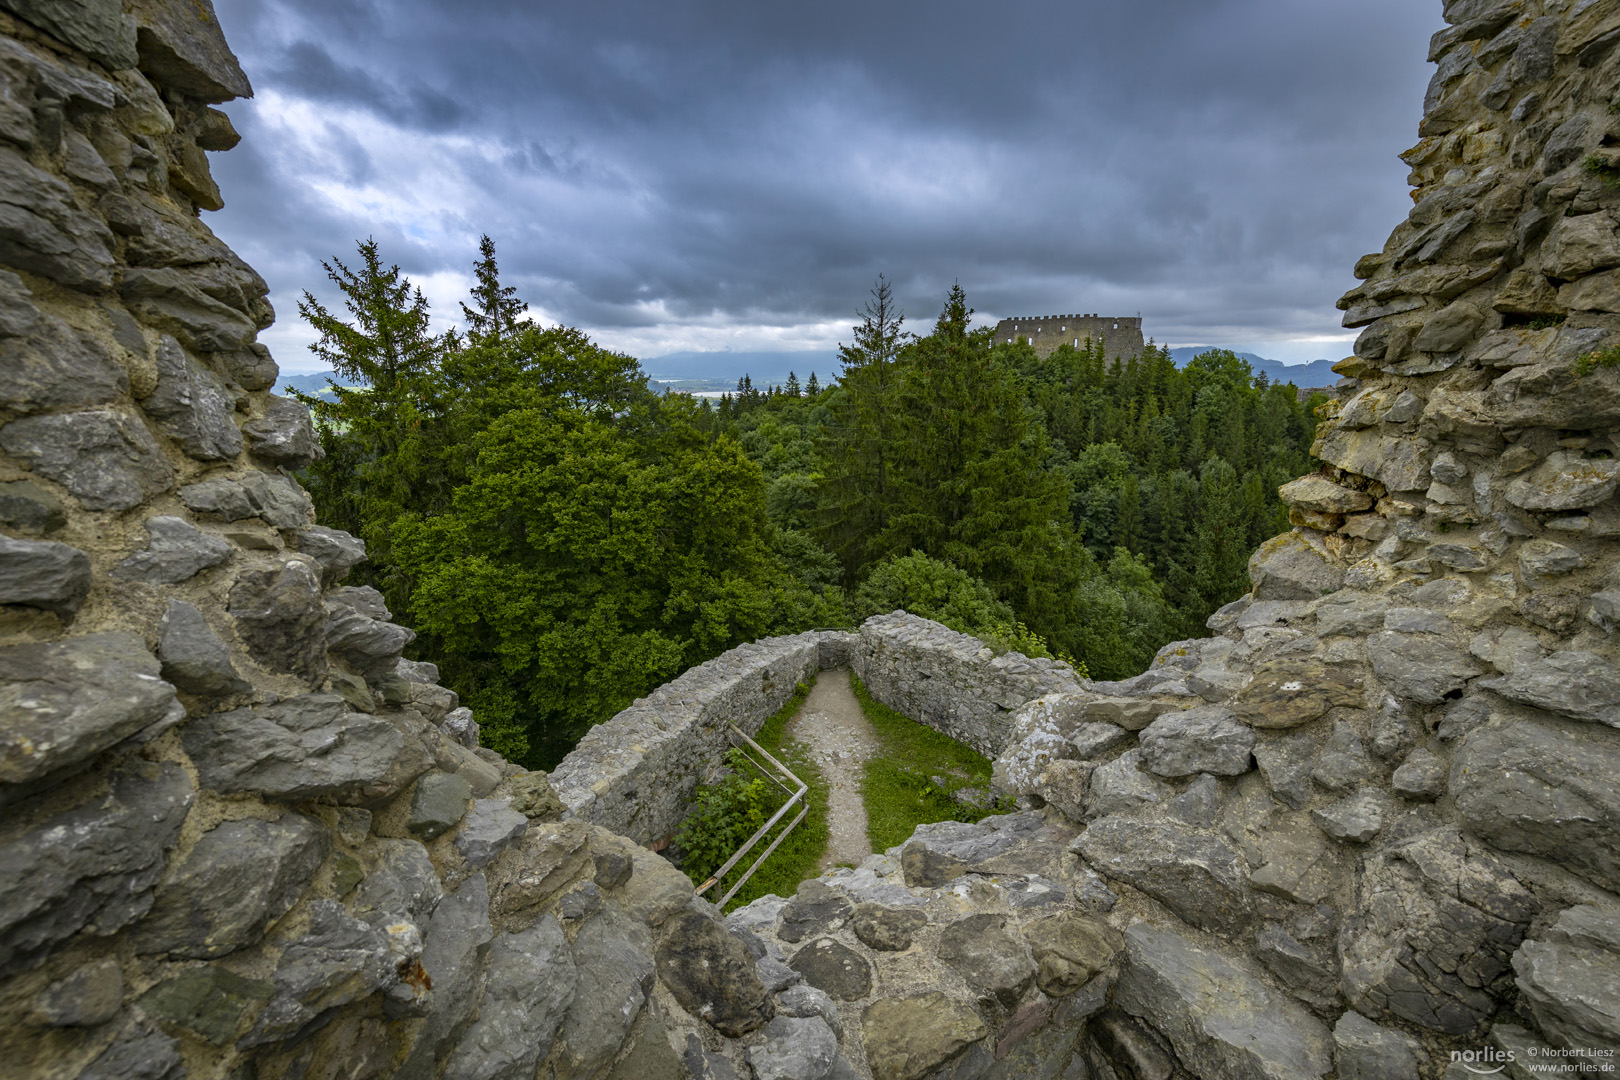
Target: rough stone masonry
1371,824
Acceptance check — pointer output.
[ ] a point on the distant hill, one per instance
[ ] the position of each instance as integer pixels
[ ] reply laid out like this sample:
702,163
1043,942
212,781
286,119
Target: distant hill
1316,373
310,384
727,367
711,371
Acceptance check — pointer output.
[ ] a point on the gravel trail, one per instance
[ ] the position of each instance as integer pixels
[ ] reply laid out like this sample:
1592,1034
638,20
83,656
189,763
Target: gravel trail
832,725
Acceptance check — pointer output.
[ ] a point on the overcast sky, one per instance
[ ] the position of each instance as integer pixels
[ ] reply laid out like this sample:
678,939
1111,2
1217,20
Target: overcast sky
732,175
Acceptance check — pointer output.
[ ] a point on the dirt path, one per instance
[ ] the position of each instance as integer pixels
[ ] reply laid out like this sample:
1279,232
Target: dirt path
832,725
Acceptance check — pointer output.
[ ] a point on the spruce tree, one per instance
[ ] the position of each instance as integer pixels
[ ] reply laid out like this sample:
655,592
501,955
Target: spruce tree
380,434
495,307
854,497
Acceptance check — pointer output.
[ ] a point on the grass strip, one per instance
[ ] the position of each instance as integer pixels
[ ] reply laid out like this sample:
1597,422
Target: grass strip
911,779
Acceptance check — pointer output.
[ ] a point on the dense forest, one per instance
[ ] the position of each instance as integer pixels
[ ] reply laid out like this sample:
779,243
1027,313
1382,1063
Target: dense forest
564,538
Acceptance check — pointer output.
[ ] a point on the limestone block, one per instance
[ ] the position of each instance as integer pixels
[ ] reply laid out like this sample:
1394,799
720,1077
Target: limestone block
1194,873
886,929
816,909
1356,818
193,656
1580,245
1570,976
833,968
438,805
1364,1050
490,827
208,1001
173,301
1287,568
299,748
1217,1013
1400,463
453,948
335,550
1318,493
43,231
337,960
1207,739
1421,667
907,1038
93,866
712,976
240,877
613,957
47,364
1122,784
104,457
284,434
1069,950
1287,693
1436,920
43,574
26,507
400,883
280,617
1421,776
192,406
182,46
96,26
1449,329
795,1048
176,551
1595,292
1565,483
1574,683
63,702
89,996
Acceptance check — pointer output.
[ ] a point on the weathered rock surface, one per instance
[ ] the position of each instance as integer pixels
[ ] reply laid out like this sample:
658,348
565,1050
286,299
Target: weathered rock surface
240,876
711,974
907,1038
1220,1017
177,551
300,748
1570,976
62,703
92,867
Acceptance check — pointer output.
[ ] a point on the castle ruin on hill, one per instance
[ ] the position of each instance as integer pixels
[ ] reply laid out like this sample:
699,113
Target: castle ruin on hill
1121,336
1368,828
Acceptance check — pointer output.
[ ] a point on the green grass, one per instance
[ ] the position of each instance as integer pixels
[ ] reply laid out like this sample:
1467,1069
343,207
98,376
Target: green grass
899,789
799,856
1603,358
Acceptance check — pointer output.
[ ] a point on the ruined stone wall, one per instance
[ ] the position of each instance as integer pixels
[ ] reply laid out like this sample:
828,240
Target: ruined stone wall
636,772
1387,787
1371,823
240,836
952,682
1121,336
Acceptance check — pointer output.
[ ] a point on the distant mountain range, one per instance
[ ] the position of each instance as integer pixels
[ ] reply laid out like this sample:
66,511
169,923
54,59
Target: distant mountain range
721,370
1315,373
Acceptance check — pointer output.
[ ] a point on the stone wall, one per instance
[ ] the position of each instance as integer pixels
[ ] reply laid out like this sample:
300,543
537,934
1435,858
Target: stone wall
240,836
635,773
1386,787
1370,824
952,682
1121,336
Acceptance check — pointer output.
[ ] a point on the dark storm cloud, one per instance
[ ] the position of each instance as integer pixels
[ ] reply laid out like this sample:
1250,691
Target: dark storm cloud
686,175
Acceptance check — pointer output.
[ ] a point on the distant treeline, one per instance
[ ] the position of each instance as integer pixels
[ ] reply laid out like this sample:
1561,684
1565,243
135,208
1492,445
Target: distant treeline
564,539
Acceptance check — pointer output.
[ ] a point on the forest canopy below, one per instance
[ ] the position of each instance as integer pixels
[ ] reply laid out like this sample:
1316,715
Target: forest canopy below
564,539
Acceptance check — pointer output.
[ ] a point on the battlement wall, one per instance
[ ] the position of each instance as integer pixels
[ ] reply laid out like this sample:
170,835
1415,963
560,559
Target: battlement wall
1121,335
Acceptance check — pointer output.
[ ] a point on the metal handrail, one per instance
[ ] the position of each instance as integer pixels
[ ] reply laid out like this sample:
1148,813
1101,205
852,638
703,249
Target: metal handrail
793,797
